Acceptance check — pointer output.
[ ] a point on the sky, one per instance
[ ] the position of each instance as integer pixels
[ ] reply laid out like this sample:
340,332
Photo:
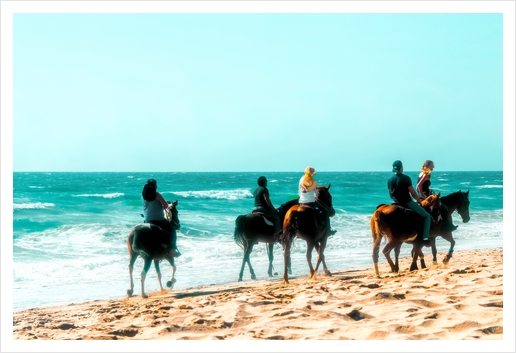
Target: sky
256,91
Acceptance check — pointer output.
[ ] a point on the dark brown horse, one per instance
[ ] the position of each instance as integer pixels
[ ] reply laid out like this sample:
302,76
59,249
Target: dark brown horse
252,228
399,224
457,201
153,244
304,222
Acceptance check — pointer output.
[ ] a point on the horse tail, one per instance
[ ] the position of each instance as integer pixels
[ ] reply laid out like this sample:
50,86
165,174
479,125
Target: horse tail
130,238
239,228
379,227
289,225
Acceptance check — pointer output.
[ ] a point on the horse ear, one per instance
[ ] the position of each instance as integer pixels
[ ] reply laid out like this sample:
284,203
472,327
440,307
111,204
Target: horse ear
467,193
329,186
439,194
174,203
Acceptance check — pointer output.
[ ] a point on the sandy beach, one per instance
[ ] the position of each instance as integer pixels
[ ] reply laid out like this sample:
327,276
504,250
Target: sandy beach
460,301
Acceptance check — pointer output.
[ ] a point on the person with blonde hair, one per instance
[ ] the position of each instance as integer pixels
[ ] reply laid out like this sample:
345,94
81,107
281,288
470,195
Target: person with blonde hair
423,180
308,192
423,188
307,186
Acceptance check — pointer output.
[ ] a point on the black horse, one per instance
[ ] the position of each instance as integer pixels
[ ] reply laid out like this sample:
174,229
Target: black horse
457,201
252,228
304,222
152,243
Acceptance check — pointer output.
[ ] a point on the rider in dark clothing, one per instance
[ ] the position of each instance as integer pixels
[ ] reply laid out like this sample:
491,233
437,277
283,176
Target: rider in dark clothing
400,188
262,203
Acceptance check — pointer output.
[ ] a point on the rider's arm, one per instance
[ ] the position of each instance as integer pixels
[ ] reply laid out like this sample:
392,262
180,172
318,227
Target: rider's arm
267,199
413,193
420,184
161,200
313,186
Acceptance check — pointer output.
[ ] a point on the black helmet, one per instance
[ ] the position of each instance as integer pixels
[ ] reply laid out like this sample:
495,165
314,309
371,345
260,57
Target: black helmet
262,181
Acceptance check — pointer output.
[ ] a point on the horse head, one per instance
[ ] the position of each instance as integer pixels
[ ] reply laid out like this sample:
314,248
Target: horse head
171,214
431,200
325,198
463,206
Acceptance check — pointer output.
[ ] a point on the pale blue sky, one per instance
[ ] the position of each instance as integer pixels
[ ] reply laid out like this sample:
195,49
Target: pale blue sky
257,92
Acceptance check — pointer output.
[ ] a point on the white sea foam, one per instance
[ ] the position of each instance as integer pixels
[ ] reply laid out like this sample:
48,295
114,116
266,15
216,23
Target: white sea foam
36,187
235,194
106,196
489,186
33,205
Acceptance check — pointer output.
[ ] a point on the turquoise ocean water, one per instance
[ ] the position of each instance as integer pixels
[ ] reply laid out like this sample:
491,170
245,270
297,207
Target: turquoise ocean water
70,229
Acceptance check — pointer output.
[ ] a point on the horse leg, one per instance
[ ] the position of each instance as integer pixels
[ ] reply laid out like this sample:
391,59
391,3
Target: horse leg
172,279
386,252
132,258
158,273
247,258
146,266
322,258
449,237
309,248
434,251
286,261
376,252
416,252
270,248
397,250
241,274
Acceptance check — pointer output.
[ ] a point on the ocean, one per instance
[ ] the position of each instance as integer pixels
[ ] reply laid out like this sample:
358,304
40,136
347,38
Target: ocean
70,229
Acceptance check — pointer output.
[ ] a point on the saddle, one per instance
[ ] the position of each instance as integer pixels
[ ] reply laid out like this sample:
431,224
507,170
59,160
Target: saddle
265,217
436,213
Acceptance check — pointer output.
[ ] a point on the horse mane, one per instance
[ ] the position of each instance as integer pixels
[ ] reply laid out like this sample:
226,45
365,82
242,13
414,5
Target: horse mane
452,196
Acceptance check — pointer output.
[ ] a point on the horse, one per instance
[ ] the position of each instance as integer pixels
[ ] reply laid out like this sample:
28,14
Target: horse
457,201
252,228
399,225
153,244
303,221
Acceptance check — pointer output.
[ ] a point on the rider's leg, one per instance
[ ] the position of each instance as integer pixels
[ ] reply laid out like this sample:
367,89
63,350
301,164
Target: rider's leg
427,219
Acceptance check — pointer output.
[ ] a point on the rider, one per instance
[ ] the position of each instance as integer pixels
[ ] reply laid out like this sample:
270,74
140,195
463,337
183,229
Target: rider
308,192
153,206
262,203
400,188
423,188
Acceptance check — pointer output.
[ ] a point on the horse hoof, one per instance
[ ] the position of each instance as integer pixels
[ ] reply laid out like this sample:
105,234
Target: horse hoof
270,274
240,279
275,273
327,273
434,263
253,277
145,296
129,292
170,283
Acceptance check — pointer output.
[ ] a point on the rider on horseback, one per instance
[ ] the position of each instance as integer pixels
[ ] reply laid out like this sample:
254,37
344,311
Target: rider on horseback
153,206
308,195
262,203
423,188
400,188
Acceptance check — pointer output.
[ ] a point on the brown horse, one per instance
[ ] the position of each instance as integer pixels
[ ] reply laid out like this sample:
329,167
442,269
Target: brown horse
304,222
152,243
253,228
399,224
